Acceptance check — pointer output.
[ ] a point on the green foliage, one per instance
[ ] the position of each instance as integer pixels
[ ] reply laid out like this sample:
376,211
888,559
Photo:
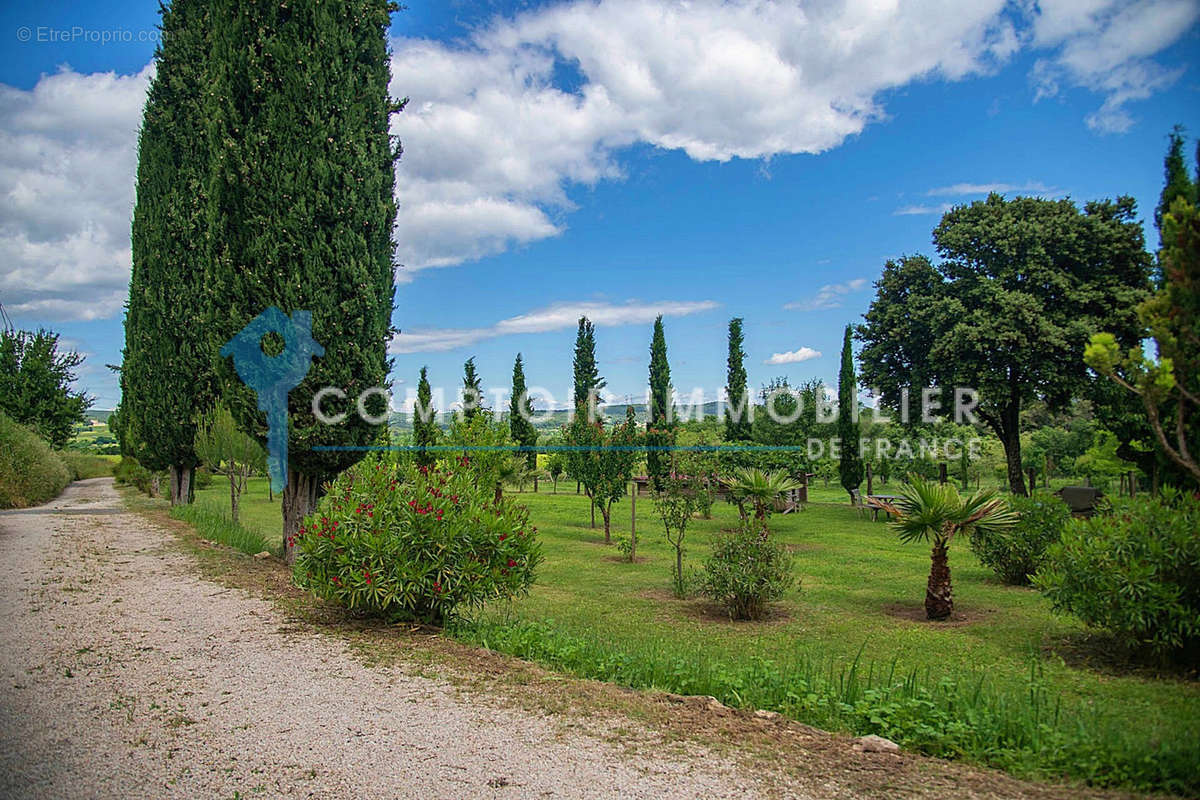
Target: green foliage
659,425
212,524
30,472
487,448
556,465
1014,553
850,468
602,458
761,489
1169,386
425,428
737,410
472,391
35,385
421,544
746,571
1022,285
520,414
167,363
86,465
301,206
1133,570
675,500
1100,462
224,449
587,376
927,510
1176,181
961,716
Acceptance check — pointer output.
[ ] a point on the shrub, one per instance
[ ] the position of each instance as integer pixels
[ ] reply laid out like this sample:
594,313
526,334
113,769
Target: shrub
1015,553
415,543
131,473
746,571
86,465
1135,571
30,472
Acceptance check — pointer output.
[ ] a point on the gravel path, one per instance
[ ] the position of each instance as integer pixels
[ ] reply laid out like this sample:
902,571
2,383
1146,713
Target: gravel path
123,673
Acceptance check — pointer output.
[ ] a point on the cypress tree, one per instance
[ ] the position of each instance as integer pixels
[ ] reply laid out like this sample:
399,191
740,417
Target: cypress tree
737,412
851,466
587,377
659,422
472,391
301,210
166,370
1176,181
520,411
424,421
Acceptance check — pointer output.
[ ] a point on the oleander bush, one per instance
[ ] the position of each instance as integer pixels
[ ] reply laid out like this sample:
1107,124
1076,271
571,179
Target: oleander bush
747,571
415,543
30,472
1133,570
1015,553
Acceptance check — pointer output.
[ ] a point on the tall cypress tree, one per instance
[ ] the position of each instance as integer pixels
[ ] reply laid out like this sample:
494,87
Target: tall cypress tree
1176,181
737,412
659,422
301,209
520,413
587,376
851,466
425,431
166,370
472,391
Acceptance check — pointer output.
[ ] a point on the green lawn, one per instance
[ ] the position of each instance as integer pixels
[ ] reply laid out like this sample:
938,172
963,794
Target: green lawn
860,590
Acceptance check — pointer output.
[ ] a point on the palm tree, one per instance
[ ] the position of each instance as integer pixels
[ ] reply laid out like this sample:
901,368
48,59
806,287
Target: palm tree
760,488
928,510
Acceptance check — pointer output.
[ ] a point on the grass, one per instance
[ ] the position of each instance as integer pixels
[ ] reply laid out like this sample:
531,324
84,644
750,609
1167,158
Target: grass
30,472
249,534
1007,683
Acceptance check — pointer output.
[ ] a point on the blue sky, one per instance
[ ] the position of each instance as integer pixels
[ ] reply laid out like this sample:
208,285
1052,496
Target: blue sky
625,158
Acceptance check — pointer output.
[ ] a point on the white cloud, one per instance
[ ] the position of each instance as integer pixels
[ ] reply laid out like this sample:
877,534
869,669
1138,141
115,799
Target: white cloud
494,140
552,318
904,211
967,189
1106,46
828,296
67,160
794,356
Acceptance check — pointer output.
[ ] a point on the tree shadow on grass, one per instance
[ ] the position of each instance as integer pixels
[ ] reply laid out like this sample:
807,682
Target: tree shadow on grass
1107,654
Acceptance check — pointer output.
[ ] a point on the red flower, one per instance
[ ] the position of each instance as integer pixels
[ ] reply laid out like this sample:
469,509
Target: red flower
437,587
512,563
503,536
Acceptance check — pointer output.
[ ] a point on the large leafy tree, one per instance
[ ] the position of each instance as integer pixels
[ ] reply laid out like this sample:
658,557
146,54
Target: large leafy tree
226,450
737,412
1022,286
659,423
520,415
301,211
850,469
602,458
166,370
36,381
587,375
1169,387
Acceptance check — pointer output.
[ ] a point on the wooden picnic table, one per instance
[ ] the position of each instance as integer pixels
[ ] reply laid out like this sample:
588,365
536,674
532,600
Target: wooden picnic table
873,502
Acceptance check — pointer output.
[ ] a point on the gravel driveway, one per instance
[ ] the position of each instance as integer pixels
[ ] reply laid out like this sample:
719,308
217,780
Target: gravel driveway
124,674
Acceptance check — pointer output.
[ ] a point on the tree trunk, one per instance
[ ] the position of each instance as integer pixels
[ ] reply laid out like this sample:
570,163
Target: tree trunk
593,511
299,500
173,484
679,571
185,485
606,513
499,495
633,523
233,496
1012,457
939,602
